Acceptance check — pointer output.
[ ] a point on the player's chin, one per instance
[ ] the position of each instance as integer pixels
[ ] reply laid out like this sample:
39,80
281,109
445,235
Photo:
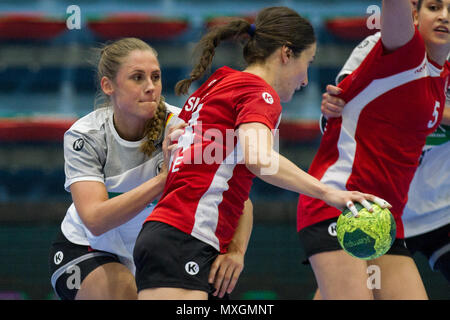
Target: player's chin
287,97
440,39
148,108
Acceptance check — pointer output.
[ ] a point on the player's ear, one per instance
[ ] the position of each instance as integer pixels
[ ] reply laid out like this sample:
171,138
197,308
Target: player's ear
415,15
286,53
107,86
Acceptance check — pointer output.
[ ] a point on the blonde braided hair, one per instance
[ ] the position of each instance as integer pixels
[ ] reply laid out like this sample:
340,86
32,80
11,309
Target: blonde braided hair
154,129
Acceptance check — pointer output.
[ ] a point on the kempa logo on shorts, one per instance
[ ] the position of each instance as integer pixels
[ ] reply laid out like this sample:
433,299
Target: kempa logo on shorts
192,268
78,144
332,229
267,97
58,257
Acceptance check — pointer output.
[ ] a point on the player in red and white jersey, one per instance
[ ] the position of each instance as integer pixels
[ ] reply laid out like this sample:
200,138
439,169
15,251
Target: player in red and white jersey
213,194
396,98
228,141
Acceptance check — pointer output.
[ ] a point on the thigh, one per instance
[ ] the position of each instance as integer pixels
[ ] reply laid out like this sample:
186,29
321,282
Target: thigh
172,294
400,278
72,264
340,276
167,259
319,237
110,281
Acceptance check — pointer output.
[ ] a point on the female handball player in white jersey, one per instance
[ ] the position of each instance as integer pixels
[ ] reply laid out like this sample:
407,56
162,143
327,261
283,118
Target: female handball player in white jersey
115,170
394,100
227,142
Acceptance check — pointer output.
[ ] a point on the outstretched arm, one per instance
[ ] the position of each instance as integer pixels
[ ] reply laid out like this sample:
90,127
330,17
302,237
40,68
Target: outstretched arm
257,143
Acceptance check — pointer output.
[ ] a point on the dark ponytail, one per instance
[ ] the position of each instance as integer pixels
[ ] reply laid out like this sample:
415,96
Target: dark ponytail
274,27
207,48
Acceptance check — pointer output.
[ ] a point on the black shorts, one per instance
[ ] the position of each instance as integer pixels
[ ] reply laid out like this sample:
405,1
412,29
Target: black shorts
322,237
167,257
70,263
433,244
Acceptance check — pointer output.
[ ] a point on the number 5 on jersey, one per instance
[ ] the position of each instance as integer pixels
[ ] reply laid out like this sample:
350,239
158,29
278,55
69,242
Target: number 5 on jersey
431,123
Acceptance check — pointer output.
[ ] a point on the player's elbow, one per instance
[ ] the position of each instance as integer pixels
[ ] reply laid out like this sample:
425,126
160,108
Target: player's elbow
262,162
93,224
95,228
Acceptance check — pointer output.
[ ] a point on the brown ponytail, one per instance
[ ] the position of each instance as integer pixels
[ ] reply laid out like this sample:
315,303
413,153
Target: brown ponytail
274,27
207,46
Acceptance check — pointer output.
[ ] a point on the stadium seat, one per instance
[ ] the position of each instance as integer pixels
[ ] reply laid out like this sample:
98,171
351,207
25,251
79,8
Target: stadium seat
349,28
30,26
299,130
34,129
139,25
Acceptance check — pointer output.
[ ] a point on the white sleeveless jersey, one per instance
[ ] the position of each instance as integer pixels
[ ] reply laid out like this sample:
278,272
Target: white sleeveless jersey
94,151
428,205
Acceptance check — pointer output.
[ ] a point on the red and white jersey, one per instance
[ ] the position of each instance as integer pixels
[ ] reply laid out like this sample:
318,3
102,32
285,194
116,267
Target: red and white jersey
394,100
208,181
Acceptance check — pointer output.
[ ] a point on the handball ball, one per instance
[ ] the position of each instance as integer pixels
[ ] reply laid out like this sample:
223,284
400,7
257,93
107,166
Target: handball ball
367,236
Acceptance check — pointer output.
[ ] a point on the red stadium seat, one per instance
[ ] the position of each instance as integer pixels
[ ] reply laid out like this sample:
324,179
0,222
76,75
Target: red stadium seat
51,129
299,130
34,129
349,28
30,26
138,25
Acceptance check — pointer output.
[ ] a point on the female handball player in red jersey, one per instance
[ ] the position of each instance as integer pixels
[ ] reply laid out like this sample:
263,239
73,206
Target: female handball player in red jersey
394,100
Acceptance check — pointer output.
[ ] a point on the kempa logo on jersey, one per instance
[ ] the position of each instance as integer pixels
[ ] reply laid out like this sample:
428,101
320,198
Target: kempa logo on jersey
421,68
267,97
159,167
363,44
78,144
192,268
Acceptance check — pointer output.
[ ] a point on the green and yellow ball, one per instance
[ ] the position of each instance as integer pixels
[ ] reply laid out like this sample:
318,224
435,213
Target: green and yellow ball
367,236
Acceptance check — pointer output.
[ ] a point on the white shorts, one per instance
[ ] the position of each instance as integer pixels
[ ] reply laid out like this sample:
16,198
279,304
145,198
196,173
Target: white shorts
428,206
